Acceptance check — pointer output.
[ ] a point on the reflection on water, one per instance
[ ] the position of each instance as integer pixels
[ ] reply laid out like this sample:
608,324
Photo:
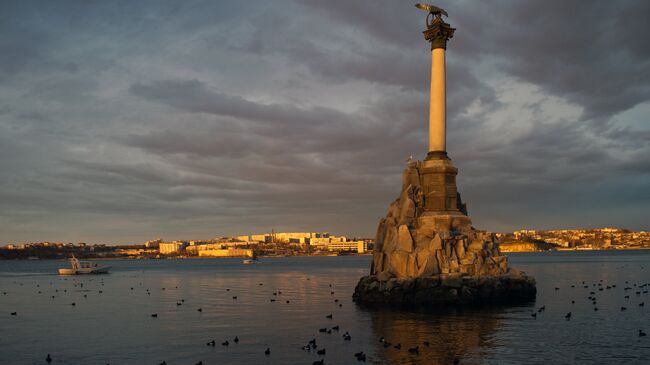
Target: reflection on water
440,338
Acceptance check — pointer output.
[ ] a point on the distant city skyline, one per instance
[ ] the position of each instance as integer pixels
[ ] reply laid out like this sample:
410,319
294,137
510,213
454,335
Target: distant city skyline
124,121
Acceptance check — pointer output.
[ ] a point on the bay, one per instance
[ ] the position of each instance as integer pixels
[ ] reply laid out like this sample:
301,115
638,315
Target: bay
116,327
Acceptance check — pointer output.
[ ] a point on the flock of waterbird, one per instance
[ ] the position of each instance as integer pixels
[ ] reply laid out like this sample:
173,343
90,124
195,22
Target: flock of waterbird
635,289
311,346
638,289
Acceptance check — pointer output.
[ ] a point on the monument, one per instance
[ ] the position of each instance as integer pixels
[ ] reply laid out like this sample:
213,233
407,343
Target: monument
426,250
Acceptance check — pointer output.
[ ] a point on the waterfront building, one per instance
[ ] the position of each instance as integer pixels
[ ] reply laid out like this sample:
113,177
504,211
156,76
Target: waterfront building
262,238
153,243
355,246
137,251
167,248
192,250
224,252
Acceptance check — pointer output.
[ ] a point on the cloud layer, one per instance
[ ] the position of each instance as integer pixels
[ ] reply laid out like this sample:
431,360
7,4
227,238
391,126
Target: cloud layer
124,121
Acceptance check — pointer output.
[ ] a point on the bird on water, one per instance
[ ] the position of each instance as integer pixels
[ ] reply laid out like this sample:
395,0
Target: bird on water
415,350
360,356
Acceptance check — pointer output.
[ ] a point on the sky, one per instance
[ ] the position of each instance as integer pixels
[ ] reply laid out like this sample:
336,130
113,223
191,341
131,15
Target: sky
123,121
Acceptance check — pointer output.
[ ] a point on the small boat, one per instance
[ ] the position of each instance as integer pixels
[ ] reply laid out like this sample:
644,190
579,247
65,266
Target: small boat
251,261
83,267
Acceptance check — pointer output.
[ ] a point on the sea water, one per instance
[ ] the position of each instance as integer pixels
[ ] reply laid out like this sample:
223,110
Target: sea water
281,303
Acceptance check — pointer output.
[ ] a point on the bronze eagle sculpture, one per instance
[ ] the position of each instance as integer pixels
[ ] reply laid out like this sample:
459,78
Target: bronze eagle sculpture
431,9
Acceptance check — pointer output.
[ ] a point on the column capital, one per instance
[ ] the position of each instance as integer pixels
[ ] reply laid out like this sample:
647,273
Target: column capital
438,32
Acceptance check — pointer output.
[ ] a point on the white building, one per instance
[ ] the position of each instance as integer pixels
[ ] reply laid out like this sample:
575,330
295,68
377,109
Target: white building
358,246
167,248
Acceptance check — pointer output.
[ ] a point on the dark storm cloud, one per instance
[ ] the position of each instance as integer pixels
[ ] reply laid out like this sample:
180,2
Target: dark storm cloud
593,54
203,118
274,129
194,96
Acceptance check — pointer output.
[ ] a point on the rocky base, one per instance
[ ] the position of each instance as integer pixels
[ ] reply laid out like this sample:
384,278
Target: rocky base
427,232
443,290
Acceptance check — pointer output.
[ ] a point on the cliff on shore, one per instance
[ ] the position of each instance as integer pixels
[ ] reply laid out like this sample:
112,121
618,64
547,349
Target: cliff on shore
525,246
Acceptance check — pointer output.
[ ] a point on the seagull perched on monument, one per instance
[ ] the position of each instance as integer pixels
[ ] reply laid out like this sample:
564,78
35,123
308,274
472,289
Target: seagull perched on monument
431,9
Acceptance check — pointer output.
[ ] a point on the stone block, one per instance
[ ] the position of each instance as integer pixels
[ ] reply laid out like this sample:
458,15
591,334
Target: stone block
380,235
498,259
407,211
390,284
393,209
432,268
503,267
515,273
448,249
422,257
390,242
467,261
453,265
435,243
469,269
384,276
412,266
410,176
439,222
475,246
460,249
404,239
385,264
377,262
399,261
420,241
453,280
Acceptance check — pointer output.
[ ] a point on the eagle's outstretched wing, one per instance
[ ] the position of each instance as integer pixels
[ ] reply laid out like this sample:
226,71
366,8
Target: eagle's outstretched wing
431,8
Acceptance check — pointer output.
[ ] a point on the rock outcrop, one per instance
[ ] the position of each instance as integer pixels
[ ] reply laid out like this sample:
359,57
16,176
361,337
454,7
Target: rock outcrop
446,289
426,250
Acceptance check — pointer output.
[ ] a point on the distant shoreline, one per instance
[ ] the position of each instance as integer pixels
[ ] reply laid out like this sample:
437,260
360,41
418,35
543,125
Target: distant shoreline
578,250
176,257
277,257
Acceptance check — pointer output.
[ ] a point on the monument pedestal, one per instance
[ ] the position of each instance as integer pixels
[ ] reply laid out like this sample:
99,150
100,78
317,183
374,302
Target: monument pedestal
444,290
427,252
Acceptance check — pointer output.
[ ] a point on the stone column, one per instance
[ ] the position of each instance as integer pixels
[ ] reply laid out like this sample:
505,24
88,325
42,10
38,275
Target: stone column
437,102
438,33
437,172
